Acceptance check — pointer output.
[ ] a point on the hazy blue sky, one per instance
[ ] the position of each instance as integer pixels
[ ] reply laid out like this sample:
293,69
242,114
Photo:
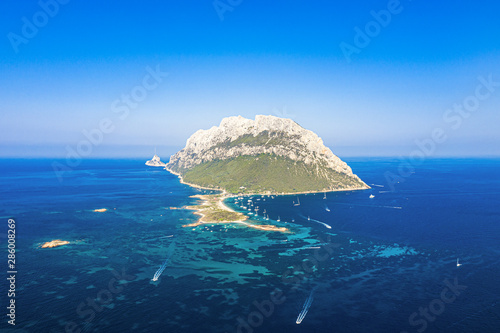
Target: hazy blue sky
67,71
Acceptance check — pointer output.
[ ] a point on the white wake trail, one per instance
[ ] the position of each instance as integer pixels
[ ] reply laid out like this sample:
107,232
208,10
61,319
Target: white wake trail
165,263
326,225
313,220
305,308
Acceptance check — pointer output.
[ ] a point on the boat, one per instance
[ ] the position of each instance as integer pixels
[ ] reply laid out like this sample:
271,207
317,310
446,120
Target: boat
372,196
308,218
298,202
458,264
278,219
327,209
324,197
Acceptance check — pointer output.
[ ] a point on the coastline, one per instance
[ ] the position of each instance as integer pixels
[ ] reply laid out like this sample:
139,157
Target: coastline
212,207
192,185
224,192
212,210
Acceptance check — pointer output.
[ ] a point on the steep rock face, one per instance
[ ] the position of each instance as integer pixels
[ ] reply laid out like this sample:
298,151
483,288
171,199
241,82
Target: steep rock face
265,136
155,162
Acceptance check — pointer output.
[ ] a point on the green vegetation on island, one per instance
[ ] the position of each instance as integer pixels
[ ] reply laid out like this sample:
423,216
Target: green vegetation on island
267,173
266,155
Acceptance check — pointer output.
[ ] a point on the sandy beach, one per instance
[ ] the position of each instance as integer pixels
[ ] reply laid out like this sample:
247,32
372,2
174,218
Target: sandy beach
212,210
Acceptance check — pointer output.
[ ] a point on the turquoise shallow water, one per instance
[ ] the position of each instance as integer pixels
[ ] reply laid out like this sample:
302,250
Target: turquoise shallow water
383,259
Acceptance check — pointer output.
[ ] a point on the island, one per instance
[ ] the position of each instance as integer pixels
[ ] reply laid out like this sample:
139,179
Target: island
268,155
155,161
54,243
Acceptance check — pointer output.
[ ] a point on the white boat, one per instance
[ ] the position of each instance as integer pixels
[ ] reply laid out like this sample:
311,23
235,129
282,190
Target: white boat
324,197
372,196
298,202
308,218
278,219
458,264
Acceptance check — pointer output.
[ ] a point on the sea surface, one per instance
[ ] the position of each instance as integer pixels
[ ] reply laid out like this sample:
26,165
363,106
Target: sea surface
350,263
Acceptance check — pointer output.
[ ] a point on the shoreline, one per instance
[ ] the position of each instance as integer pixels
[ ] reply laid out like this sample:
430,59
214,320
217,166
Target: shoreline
213,204
224,192
206,207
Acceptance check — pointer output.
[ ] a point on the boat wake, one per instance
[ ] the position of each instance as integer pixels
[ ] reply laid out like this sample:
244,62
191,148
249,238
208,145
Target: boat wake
305,308
165,263
160,270
313,220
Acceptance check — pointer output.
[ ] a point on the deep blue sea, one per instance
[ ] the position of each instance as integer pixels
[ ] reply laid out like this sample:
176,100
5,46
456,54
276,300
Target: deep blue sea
388,263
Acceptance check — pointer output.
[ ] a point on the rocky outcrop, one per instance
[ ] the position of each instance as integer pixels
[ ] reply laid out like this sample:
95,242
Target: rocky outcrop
155,162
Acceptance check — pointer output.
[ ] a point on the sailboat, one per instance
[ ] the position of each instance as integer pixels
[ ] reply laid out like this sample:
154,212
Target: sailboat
298,202
458,264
